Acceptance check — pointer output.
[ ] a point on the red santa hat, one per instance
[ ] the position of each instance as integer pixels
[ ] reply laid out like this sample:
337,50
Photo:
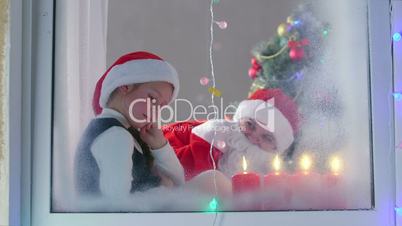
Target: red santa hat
132,68
263,106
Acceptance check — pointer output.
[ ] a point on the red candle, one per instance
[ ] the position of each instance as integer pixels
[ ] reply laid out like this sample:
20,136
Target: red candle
305,177
245,181
306,186
276,192
306,191
277,179
331,179
331,186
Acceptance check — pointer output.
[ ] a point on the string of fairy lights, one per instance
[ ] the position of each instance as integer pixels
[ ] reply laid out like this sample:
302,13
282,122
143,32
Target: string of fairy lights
397,39
213,204
397,94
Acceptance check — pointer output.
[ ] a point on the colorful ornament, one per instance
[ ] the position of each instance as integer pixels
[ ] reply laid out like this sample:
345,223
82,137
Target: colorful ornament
252,73
290,19
296,49
222,24
255,68
255,64
282,29
296,54
301,43
254,61
204,81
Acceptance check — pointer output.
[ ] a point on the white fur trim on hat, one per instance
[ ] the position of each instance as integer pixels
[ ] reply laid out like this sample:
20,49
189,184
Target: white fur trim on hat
263,113
139,71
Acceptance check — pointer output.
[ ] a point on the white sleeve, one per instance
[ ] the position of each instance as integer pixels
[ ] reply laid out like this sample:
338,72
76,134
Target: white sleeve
112,151
166,162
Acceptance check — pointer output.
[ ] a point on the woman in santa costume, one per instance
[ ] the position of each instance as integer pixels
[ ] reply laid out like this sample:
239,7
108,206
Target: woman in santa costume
263,126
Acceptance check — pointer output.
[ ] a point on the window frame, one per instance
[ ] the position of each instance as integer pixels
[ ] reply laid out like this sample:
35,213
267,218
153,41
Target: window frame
31,71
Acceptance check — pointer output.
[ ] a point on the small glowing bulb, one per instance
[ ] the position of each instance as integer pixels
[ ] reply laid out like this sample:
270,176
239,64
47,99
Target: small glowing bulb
335,164
204,81
213,204
325,33
397,37
276,164
214,91
296,22
397,96
222,24
398,211
244,164
306,162
299,75
221,144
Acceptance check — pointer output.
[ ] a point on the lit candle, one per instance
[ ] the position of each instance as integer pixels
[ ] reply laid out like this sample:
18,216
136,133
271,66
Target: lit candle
276,192
276,178
335,166
306,185
305,174
306,163
245,181
331,189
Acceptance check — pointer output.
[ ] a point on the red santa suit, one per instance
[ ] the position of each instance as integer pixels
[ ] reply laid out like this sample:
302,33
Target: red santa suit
270,108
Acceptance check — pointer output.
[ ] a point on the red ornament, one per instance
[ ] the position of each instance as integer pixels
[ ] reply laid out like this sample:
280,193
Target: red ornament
254,61
255,64
301,43
252,73
296,53
255,68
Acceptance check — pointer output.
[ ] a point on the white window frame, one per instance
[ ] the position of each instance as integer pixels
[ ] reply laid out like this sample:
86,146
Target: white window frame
31,72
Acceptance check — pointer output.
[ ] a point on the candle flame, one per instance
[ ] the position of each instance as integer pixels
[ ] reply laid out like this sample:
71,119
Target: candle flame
276,163
335,164
244,164
306,162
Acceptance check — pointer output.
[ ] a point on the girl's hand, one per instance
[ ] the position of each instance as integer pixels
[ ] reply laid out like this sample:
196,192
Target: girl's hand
153,136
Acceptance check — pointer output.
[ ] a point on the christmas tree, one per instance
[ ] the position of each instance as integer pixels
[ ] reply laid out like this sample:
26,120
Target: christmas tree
281,61
295,60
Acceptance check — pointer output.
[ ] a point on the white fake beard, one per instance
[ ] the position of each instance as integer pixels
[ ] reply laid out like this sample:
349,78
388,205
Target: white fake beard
237,146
